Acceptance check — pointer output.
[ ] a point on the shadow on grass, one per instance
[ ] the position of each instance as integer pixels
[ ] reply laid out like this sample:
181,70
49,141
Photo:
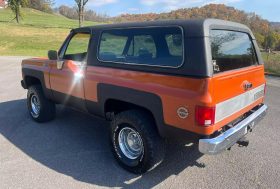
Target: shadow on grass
77,145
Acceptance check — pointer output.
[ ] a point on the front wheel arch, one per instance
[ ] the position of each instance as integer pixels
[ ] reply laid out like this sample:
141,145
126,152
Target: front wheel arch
30,80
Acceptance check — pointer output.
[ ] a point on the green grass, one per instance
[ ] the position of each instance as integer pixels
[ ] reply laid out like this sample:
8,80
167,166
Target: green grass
34,18
37,32
272,62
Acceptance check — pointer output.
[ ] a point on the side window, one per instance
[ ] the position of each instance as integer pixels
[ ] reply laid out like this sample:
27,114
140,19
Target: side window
77,47
174,43
112,47
142,46
153,46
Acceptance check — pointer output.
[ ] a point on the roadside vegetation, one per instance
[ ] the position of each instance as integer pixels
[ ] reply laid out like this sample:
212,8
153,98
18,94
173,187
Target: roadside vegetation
272,62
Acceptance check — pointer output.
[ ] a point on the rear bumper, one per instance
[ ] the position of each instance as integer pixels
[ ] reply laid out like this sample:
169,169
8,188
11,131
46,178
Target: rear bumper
231,136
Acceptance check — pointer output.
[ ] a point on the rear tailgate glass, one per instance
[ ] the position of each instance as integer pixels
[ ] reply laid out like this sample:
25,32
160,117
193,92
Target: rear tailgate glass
231,50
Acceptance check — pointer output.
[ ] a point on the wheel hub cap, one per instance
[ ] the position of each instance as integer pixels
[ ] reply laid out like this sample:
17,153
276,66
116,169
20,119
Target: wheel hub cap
35,106
130,143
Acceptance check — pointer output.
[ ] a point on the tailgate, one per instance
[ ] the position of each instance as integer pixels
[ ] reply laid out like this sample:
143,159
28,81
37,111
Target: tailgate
238,79
235,90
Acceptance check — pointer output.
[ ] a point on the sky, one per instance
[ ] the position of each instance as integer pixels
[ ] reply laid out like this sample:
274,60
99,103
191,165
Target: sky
267,9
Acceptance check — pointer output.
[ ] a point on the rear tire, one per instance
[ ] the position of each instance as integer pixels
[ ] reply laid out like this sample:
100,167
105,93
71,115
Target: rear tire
145,150
40,108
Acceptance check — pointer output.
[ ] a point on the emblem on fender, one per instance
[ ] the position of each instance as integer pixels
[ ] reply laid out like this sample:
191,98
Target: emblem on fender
183,112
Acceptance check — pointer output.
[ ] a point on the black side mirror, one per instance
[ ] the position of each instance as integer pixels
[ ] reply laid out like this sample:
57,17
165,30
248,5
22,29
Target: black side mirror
53,55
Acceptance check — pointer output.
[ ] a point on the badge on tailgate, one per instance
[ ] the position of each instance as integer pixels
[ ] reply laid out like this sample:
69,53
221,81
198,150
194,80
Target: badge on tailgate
247,85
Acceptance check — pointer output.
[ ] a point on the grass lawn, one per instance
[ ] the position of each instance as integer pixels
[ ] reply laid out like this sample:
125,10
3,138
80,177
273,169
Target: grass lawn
272,62
37,33
29,41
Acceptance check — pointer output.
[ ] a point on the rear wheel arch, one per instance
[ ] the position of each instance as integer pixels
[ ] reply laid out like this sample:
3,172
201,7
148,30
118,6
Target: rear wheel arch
116,99
116,106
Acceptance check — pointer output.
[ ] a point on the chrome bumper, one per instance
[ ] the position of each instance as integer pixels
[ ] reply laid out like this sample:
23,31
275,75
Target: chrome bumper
231,136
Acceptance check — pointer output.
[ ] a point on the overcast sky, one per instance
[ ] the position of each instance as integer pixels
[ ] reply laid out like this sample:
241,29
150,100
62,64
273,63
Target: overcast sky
268,9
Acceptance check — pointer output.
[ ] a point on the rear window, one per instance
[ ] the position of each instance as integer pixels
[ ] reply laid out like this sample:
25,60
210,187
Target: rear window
231,50
156,46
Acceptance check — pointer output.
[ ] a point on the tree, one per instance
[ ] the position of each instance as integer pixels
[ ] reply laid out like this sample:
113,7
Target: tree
42,5
15,6
81,8
69,12
271,40
260,39
89,15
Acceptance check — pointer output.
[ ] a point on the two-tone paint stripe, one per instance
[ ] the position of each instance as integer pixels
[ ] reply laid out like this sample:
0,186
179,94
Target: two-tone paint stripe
231,106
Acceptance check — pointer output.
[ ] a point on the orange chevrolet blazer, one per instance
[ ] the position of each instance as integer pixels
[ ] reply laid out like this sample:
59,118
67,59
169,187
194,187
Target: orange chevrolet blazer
198,78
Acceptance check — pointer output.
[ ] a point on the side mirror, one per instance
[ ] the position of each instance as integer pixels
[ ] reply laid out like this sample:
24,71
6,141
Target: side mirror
53,55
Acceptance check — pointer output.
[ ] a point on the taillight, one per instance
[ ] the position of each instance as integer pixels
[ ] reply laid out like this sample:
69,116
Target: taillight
205,116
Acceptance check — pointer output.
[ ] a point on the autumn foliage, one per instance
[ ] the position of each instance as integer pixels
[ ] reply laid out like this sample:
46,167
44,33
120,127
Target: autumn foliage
261,27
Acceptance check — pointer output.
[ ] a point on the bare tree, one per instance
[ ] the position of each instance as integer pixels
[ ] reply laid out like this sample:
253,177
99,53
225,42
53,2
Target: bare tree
81,8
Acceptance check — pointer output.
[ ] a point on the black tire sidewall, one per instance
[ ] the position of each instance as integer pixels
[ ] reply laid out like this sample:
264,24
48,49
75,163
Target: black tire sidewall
47,107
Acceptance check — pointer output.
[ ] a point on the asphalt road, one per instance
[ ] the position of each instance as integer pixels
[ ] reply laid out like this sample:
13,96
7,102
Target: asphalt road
73,150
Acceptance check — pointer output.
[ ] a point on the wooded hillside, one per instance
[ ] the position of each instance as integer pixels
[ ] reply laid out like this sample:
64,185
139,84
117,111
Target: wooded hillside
261,27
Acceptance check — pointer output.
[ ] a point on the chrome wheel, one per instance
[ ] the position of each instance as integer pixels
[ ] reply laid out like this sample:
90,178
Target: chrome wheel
35,106
130,143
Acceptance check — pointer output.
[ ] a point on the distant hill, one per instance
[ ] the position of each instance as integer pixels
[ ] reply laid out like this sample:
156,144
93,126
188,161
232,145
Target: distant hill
275,25
220,11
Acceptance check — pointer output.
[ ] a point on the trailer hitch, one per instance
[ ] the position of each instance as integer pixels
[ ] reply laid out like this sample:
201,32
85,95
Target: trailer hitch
243,142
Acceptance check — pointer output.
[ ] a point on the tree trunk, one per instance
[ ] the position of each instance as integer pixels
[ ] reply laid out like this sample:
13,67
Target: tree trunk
81,6
17,15
80,21
80,15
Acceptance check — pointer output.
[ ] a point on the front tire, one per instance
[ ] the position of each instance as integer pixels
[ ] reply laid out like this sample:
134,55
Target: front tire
40,108
135,141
